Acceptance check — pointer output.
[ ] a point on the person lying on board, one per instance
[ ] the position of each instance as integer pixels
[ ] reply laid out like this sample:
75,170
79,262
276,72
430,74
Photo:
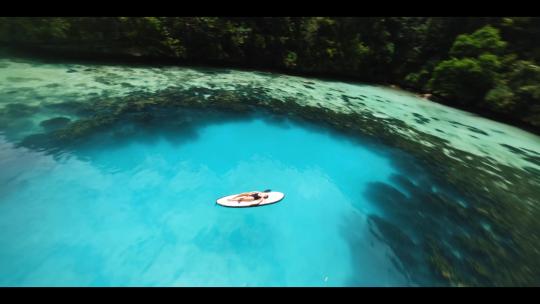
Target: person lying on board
256,196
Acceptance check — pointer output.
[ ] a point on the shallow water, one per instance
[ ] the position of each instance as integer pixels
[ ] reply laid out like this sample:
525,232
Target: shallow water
132,204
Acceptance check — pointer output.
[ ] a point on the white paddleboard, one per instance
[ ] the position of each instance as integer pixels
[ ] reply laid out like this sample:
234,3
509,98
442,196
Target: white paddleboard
273,197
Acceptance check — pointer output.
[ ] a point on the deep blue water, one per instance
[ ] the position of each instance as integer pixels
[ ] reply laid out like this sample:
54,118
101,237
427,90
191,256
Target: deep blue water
141,211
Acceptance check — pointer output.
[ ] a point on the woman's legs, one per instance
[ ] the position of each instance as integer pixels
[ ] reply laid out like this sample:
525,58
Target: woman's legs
245,198
242,194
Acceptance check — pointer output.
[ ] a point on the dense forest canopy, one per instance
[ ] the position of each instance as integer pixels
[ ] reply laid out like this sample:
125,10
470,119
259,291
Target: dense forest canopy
491,64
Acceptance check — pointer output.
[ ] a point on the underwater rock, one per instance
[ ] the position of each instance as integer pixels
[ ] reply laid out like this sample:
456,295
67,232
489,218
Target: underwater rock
54,123
402,181
72,108
37,141
22,79
52,85
471,128
401,244
386,195
391,232
126,85
442,267
79,129
420,119
19,109
103,80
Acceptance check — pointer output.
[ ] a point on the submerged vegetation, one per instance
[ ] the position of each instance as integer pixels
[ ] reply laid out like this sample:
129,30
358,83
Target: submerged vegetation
486,64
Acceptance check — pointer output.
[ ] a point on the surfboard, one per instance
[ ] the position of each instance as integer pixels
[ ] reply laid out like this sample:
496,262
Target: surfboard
273,197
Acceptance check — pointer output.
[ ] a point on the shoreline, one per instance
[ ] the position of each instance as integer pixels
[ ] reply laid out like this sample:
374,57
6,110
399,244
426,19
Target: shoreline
94,57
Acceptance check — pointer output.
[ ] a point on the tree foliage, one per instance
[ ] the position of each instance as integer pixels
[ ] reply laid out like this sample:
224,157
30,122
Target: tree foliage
490,63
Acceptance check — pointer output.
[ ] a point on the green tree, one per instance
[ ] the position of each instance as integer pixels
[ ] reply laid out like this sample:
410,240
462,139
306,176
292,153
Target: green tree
465,80
473,69
484,40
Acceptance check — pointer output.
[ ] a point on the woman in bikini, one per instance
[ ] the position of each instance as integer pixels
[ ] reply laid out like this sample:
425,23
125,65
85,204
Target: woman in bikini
256,196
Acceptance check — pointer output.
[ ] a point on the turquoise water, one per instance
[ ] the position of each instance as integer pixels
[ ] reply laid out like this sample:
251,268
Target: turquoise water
426,195
142,212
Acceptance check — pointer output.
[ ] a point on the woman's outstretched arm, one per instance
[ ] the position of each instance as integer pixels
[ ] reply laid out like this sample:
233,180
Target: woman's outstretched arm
258,201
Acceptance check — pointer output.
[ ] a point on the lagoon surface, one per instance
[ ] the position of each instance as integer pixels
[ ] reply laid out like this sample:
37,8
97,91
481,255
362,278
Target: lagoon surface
92,194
